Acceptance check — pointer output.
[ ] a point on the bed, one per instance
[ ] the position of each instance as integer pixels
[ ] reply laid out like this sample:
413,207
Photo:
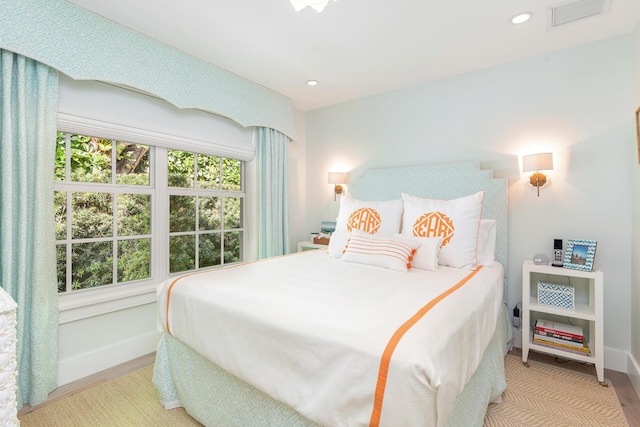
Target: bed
348,337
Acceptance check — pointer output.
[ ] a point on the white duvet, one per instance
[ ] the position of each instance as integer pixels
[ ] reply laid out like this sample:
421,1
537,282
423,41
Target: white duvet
310,331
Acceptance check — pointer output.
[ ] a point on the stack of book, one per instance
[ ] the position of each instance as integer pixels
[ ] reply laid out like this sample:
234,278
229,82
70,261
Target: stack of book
560,335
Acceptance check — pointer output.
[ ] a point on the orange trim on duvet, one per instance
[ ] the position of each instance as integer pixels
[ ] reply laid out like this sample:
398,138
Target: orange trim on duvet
393,343
166,313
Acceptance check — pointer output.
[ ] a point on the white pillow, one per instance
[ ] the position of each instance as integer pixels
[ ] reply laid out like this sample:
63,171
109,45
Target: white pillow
387,252
457,221
338,242
426,257
380,218
487,242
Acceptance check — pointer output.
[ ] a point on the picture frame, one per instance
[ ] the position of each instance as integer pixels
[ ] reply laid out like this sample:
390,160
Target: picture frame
638,131
580,254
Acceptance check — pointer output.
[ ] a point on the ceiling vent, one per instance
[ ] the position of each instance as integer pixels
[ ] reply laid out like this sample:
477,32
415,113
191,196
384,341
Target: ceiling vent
577,10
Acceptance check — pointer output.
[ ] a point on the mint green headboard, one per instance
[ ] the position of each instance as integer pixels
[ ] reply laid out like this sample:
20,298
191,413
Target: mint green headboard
442,181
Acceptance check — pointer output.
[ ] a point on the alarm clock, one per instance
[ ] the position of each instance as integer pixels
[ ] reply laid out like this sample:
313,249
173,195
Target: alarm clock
540,259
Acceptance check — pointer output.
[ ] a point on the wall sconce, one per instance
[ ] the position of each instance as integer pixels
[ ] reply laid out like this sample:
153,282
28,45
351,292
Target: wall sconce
337,179
537,162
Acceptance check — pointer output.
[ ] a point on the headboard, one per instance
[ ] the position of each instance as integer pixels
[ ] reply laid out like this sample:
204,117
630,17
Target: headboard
442,181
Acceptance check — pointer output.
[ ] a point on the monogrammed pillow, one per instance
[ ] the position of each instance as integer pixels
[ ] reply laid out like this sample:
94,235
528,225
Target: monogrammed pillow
377,218
457,221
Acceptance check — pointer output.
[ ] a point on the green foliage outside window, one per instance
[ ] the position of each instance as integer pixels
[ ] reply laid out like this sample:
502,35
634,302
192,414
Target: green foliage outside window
118,224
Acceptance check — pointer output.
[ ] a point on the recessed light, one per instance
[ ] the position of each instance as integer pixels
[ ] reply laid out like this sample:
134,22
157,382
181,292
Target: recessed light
521,18
312,82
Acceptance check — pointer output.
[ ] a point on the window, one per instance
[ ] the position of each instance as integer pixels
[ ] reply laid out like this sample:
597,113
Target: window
115,207
205,211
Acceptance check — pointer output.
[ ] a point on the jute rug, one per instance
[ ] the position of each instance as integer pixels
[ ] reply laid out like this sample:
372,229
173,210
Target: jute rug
541,395
549,396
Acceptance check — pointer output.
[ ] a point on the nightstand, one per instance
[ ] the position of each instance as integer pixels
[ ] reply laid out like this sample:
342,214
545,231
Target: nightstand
587,312
308,246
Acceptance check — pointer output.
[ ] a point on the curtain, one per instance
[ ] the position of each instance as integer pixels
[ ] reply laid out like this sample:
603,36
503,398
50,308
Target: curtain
29,100
273,202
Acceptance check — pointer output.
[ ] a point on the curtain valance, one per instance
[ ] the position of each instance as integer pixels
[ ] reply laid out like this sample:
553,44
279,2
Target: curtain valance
85,46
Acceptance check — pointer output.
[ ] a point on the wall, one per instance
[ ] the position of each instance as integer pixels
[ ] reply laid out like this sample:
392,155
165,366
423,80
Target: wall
93,344
633,367
575,103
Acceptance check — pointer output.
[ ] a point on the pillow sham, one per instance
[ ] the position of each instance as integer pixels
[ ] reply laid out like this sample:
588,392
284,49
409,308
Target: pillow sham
380,218
487,242
457,221
386,252
426,256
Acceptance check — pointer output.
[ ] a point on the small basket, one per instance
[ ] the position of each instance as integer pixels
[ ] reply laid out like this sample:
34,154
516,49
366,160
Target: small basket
321,240
556,295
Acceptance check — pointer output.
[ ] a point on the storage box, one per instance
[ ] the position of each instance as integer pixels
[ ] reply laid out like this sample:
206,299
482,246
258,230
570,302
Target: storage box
321,240
556,295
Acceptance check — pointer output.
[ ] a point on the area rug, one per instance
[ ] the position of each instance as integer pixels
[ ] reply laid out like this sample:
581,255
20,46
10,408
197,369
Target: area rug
550,396
128,401
540,395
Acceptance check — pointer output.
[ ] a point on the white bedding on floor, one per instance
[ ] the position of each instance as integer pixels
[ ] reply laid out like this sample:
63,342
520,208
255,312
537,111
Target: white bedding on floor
309,330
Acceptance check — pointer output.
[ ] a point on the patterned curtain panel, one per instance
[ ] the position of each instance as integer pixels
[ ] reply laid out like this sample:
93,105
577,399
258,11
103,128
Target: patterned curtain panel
273,202
29,96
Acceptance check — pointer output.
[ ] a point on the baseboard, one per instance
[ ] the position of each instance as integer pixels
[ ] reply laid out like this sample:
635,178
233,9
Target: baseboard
616,360
633,372
89,363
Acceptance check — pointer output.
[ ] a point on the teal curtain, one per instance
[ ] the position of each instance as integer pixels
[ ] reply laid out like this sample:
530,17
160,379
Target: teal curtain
272,148
29,96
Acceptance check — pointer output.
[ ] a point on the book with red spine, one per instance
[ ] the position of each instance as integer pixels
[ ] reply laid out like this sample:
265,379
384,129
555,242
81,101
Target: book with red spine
559,330
556,335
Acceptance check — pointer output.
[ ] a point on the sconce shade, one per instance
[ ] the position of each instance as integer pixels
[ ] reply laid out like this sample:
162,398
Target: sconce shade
537,162
337,178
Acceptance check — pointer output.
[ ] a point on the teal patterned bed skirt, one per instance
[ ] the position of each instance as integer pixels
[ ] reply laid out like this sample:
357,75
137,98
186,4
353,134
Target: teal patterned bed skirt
216,398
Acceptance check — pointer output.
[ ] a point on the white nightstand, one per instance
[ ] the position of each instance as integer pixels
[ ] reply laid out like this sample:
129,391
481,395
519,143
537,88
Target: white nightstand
588,311
308,246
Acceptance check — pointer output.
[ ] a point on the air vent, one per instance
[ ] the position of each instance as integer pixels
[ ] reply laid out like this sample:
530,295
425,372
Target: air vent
577,10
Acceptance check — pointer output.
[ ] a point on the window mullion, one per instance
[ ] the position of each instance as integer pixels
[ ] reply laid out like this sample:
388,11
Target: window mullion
160,214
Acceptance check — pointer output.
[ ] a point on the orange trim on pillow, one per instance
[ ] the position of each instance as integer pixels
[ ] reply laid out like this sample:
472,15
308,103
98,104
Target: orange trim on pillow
395,340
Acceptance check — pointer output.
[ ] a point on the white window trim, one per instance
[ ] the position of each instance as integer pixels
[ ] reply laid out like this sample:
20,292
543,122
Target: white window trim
93,302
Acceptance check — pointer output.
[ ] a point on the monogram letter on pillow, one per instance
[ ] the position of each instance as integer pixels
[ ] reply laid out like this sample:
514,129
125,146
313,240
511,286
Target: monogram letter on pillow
457,221
377,218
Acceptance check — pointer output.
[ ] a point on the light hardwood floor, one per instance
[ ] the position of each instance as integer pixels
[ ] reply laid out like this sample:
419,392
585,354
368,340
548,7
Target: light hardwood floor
626,394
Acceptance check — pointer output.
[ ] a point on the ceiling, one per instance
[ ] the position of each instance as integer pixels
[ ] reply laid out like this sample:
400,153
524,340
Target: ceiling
356,48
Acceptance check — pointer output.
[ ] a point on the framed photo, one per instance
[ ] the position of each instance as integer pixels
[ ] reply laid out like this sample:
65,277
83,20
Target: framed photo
638,131
580,254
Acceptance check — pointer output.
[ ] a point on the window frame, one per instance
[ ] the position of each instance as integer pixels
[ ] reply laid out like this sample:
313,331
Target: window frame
86,303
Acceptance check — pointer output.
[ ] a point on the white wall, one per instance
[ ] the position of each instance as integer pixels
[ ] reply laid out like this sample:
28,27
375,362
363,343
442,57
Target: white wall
93,344
633,367
575,103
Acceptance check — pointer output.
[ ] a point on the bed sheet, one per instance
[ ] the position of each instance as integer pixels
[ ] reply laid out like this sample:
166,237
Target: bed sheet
313,337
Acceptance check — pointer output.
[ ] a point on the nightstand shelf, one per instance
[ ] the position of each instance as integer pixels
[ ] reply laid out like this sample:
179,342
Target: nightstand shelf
588,312
308,246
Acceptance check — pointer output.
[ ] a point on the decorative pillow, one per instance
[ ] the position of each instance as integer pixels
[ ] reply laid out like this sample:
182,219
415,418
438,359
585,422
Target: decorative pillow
487,242
338,242
457,221
387,252
380,218
426,257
